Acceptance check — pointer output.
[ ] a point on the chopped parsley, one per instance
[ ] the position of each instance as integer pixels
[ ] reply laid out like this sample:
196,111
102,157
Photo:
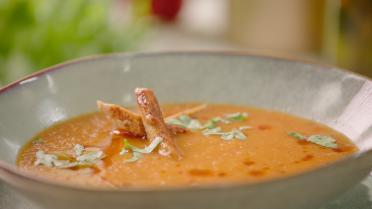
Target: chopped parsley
234,134
239,116
137,152
90,157
211,128
82,158
228,118
211,131
297,135
220,119
51,160
212,123
193,124
325,141
78,149
186,122
227,136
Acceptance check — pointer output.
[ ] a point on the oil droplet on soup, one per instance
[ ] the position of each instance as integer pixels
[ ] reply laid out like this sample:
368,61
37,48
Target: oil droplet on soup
265,151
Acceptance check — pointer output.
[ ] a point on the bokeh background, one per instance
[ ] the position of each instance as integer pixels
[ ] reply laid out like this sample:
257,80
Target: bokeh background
35,34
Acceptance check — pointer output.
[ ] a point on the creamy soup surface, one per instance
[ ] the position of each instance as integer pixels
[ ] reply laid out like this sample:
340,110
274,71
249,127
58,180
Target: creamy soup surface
273,146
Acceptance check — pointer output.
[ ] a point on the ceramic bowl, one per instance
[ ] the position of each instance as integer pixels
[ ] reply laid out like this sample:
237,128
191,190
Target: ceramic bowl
340,99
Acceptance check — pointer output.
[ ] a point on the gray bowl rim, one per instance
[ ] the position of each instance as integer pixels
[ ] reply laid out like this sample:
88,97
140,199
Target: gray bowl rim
14,171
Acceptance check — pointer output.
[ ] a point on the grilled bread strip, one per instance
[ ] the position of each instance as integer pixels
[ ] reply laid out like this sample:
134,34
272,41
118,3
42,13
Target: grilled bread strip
154,123
123,119
129,123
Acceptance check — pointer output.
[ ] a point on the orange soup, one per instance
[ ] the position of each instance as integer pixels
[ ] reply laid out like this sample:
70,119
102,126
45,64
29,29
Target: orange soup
220,144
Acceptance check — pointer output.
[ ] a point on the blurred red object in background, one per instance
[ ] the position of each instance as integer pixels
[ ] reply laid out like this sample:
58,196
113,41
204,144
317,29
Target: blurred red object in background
166,10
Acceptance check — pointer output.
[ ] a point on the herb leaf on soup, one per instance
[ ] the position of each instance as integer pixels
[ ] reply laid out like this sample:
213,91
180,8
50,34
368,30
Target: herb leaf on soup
146,150
193,124
44,159
185,122
297,135
239,116
212,123
78,149
137,152
82,158
228,118
209,124
51,160
220,119
235,133
90,157
211,131
325,141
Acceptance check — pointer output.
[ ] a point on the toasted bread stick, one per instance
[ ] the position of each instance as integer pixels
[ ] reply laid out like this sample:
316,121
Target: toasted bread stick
153,121
123,119
128,122
174,129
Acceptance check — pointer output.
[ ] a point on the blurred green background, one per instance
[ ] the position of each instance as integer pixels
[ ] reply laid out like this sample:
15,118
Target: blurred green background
35,34
38,33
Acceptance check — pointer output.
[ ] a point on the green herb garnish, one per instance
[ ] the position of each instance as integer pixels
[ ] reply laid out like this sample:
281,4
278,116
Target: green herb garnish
211,131
228,118
211,128
193,124
50,160
148,149
236,116
209,124
90,157
212,123
137,152
325,141
297,135
78,149
82,158
219,119
233,134
185,122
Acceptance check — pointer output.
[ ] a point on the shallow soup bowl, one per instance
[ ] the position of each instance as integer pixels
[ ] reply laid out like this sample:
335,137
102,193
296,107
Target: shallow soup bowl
337,98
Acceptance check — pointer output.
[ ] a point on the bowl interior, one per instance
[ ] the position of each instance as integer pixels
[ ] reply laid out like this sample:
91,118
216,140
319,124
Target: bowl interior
333,97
